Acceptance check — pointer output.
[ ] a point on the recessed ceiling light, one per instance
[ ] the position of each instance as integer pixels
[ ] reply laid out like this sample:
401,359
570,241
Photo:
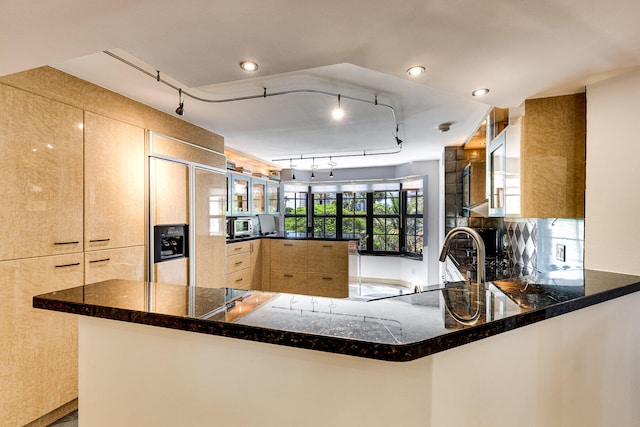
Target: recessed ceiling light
480,92
416,71
249,66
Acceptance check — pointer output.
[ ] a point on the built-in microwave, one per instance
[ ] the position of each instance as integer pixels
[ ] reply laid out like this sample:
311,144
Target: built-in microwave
242,227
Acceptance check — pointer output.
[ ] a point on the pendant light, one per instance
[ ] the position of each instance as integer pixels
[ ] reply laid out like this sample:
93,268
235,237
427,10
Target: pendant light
338,113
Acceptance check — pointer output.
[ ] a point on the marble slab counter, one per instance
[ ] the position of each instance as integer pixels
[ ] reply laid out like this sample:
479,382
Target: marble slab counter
400,328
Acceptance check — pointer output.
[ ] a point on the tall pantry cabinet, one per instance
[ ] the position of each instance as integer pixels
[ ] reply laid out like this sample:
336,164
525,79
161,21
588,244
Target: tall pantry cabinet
72,213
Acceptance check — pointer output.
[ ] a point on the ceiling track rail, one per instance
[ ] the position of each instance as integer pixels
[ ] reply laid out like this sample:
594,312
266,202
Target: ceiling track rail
156,76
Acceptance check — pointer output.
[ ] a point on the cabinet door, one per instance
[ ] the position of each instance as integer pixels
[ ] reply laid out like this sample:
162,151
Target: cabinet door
41,163
273,198
39,355
328,256
331,285
294,282
258,196
114,184
256,264
121,263
289,255
239,195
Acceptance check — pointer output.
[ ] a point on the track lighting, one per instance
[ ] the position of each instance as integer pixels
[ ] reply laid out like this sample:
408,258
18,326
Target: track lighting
293,174
331,164
338,113
180,109
313,168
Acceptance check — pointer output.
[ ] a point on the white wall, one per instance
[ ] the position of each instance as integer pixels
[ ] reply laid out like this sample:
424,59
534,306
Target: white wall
612,239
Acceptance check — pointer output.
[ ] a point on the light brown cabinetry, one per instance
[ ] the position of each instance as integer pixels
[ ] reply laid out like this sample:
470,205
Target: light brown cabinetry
256,250
310,267
544,159
239,265
553,164
41,163
38,355
328,266
114,183
121,263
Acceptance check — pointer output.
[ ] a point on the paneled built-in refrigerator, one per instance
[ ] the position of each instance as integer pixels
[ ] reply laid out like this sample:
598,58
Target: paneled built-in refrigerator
187,199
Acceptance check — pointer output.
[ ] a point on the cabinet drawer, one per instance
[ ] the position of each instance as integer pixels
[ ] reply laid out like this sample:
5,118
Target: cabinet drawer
328,285
238,248
238,262
328,256
239,279
289,255
121,263
294,282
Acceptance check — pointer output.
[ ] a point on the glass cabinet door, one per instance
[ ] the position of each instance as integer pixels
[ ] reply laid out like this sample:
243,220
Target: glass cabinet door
240,197
496,159
273,198
258,194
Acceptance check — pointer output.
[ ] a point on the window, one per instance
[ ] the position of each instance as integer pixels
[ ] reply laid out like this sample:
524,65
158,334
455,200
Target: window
391,218
354,216
414,222
325,213
386,221
295,213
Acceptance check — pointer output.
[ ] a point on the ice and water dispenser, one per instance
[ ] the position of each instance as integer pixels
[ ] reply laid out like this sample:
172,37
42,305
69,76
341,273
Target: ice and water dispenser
170,242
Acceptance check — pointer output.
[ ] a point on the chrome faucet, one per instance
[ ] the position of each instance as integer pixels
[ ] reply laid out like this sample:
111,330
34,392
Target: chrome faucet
480,272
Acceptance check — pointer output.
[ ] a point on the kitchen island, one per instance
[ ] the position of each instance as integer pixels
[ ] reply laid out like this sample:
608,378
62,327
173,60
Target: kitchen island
154,354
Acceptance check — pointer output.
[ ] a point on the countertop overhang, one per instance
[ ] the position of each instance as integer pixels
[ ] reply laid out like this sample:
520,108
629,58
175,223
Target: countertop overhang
400,328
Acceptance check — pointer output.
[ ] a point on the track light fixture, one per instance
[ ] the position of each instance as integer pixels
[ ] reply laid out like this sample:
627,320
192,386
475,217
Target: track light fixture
180,109
331,164
293,174
338,113
313,168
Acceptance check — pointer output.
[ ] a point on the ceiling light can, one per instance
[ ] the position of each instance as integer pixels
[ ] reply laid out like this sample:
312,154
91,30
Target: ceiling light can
416,70
480,92
249,66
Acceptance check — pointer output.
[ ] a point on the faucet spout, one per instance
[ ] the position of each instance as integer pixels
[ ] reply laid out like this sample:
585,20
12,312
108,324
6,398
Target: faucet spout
480,249
480,272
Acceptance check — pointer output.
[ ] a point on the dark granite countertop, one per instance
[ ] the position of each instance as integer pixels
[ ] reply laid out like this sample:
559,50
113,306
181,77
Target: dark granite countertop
400,328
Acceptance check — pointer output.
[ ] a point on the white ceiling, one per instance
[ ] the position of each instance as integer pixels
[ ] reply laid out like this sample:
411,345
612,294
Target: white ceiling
359,48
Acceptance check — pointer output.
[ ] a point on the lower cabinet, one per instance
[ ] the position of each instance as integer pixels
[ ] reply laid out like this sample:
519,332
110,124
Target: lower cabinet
121,263
239,265
310,267
39,355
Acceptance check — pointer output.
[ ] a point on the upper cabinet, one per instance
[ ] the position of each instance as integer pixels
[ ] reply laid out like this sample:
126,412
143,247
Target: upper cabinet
240,187
536,165
259,193
41,160
114,183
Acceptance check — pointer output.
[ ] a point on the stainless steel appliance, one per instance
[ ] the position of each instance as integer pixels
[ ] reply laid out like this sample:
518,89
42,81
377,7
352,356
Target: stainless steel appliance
242,227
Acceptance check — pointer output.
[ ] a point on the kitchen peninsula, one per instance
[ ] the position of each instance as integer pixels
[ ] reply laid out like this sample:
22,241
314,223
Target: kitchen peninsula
169,355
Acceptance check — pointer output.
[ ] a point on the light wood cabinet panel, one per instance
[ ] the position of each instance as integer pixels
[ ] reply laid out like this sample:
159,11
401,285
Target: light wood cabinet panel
553,157
39,352
210,230
331,285
121,263
256,264
173,272
41,162
239,279
114,183
328,256
170,192
289,255
287,281
238,262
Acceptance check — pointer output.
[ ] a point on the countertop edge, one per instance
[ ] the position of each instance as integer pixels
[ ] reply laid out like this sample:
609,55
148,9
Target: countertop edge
358,348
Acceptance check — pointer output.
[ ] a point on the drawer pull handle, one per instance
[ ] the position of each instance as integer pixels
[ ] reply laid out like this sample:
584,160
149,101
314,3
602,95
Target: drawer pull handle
237,248
100,260
288,275
288,244
327,278
68,265
239,262
66,243
239,280
98,240
327,246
